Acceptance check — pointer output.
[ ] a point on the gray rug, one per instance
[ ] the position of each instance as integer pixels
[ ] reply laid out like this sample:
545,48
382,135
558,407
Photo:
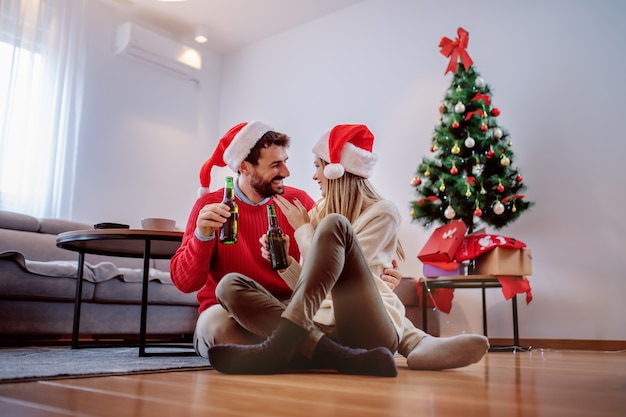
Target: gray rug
40,362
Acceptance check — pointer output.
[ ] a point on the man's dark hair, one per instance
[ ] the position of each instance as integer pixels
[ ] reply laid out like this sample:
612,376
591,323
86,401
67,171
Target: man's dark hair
268,139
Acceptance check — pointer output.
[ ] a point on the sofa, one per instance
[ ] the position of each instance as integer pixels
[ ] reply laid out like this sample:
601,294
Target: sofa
407,291
38,287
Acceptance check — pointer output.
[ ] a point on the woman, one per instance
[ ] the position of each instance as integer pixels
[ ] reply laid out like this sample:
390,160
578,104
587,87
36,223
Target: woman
340,302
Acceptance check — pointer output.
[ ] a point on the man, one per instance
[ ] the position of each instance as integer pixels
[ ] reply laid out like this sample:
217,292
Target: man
259,154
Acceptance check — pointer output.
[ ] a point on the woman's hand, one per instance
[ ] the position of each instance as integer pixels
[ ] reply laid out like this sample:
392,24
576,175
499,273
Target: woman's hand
295,212
391,276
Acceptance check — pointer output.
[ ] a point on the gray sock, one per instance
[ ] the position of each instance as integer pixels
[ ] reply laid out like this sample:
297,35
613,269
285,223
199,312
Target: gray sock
436,353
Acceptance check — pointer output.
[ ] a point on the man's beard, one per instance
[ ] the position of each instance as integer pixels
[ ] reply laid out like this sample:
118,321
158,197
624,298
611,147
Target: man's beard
266,189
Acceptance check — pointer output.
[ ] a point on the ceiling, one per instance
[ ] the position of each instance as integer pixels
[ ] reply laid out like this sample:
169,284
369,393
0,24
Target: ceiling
231,24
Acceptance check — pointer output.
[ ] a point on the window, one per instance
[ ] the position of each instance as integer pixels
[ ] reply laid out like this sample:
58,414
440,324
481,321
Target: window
23,146
40,85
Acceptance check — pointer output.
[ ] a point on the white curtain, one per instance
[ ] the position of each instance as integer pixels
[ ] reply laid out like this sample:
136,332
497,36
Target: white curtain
41,61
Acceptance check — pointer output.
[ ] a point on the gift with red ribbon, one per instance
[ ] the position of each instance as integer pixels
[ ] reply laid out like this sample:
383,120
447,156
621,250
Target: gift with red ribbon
475,245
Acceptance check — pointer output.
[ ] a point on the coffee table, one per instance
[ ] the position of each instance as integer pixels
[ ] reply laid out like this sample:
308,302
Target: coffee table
130,243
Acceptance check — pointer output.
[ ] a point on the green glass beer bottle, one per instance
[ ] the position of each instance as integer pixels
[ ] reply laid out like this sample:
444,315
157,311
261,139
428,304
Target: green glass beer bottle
228,232
275,242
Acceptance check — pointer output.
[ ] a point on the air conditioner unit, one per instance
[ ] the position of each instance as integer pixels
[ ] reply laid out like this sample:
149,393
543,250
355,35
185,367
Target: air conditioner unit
142,44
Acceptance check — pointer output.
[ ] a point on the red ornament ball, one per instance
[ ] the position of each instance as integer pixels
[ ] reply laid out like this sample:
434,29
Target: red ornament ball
500,188
478,212
454,170
495,112
483,127
519,178
489,153
455,125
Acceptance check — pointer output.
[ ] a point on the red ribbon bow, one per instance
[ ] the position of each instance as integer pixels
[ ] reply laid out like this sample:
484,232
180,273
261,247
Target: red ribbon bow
484,97
455,49
505,199
431,198
471,113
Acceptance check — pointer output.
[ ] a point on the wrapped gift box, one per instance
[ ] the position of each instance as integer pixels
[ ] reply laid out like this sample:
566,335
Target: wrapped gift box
443,243
504,261
434,271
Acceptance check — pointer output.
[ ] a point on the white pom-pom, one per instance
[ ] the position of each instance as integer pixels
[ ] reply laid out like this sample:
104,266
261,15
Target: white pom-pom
202,191
333,171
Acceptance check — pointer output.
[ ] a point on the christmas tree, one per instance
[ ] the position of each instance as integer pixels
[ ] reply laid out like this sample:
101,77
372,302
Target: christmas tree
470,176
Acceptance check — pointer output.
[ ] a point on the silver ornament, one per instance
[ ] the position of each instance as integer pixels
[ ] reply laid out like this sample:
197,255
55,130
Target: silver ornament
498,208
477,169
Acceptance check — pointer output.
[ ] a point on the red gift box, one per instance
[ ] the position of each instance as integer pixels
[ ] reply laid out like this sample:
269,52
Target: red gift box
442,245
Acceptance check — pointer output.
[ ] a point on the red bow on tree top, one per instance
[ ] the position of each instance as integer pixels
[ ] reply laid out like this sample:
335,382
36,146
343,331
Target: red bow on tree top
455,49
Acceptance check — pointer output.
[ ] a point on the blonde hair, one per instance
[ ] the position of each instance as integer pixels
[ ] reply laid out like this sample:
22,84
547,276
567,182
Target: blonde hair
348,195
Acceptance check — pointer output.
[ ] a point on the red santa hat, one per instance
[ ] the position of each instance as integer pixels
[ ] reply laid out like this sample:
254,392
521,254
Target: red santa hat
232,149
347,148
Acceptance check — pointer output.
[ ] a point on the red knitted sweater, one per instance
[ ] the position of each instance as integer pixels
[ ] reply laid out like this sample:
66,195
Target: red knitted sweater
200,265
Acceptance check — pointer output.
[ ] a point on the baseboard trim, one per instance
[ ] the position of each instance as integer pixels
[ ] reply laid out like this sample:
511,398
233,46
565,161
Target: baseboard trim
568,344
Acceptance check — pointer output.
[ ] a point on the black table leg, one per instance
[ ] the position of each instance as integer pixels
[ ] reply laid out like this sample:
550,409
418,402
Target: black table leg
144,299
516,344
484,311
78,300
424,306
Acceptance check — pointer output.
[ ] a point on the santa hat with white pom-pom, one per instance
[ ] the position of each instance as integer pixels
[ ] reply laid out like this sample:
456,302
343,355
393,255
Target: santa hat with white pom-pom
347,148
232,149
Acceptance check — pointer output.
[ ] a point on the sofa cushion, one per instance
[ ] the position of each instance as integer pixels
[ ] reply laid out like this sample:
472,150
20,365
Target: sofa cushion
24,320
406,290
34,246
117,291
16,282
18,221
56,226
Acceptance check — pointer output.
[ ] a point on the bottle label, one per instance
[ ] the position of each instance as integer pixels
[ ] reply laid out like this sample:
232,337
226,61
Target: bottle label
278,256
228,233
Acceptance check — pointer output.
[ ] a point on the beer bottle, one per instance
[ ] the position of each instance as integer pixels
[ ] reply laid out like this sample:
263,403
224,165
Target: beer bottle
228,232
275,242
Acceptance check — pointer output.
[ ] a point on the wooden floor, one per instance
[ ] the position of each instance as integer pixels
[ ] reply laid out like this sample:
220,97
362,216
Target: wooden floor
503,384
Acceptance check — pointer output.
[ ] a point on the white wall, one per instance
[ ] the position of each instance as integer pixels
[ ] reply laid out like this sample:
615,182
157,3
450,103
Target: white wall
555,71
144,133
